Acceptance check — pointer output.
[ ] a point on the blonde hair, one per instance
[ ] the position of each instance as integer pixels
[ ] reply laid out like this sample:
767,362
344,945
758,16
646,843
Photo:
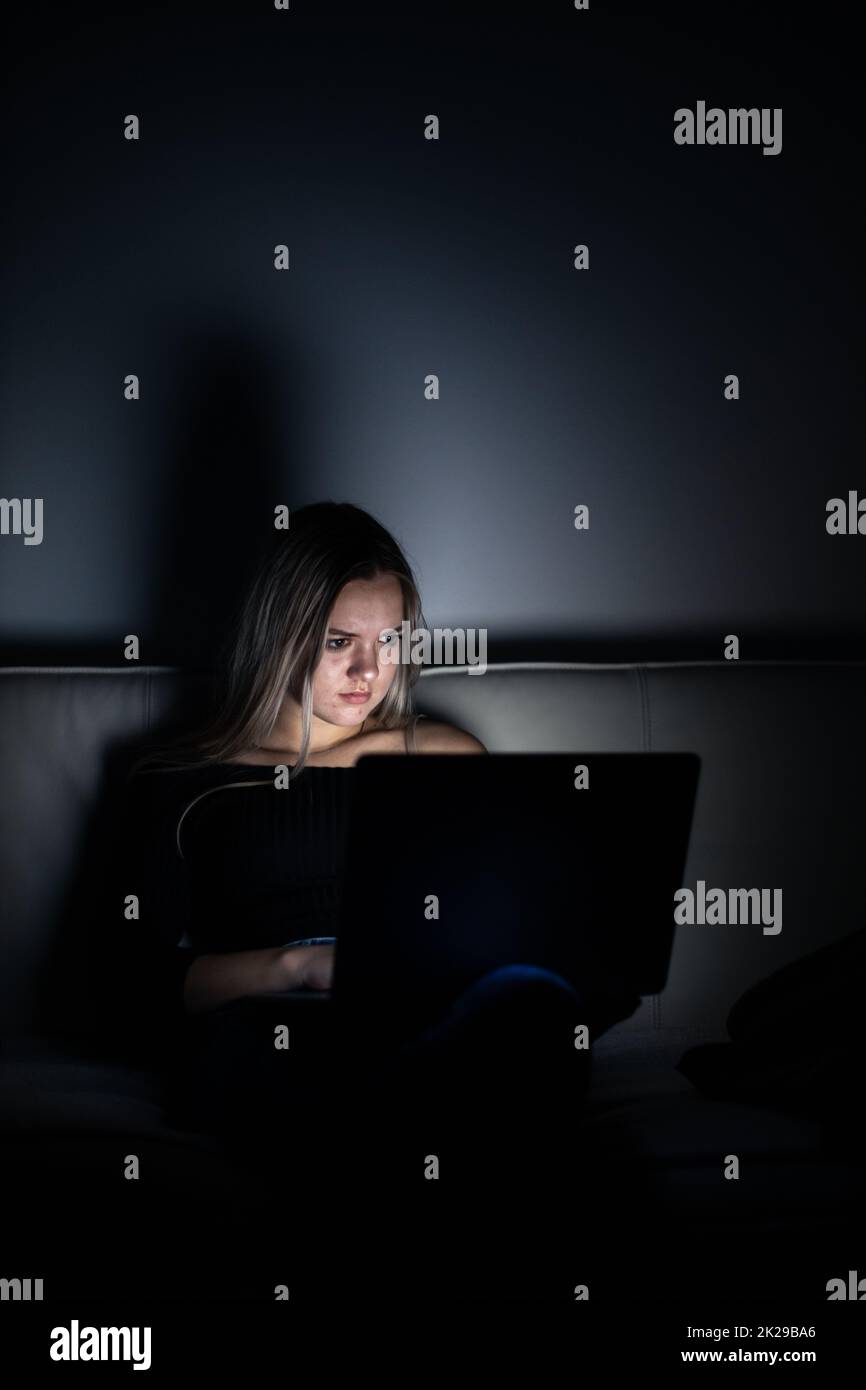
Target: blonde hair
279,635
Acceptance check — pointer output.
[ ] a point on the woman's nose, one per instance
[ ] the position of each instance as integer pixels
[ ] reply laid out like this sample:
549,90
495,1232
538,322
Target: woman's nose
364,668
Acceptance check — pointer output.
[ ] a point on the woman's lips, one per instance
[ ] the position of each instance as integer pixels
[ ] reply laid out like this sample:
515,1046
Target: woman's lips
355,699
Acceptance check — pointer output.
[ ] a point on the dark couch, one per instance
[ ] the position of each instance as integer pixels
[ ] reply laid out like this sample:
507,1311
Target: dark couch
779,804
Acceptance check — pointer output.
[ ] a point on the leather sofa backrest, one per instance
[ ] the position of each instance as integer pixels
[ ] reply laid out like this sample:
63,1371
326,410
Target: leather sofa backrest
779,802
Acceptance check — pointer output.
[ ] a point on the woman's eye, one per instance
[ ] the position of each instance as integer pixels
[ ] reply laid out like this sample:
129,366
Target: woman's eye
334,643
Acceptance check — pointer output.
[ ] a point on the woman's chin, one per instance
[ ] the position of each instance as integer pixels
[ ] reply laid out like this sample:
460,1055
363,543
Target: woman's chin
349,715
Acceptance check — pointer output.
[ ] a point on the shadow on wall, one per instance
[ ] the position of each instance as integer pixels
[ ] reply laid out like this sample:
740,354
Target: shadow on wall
224,423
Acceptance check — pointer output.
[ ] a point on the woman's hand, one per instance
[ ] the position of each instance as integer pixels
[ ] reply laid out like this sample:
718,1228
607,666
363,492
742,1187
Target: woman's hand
306,967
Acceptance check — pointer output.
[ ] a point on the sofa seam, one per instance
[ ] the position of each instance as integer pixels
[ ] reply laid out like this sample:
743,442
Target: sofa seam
133,671
647,746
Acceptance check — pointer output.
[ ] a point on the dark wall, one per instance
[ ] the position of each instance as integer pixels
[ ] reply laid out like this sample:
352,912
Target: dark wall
454,257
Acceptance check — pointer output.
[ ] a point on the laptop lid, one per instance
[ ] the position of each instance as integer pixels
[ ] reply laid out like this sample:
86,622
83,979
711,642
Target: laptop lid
457,864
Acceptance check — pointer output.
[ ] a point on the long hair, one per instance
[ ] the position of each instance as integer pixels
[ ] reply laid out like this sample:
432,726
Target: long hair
279,634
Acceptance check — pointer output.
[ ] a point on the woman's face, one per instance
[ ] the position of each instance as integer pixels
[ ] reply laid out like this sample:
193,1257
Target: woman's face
354,652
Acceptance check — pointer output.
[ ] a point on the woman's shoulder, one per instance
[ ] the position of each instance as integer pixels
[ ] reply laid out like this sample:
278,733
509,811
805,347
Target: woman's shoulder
437,736
421,734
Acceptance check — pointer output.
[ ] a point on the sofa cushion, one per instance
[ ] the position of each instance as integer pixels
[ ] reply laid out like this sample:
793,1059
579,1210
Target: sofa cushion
48,1084
650,1135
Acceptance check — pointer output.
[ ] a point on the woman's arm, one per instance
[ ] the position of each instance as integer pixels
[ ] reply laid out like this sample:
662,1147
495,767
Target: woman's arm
216,979
146,979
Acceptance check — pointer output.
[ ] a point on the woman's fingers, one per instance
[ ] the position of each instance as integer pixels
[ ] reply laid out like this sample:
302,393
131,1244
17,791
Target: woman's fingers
319,972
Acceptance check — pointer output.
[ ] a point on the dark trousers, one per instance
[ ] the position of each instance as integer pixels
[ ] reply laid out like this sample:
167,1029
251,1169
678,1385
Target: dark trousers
451,1157
499,1067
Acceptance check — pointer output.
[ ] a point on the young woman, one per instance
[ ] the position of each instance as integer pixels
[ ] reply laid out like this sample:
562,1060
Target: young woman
239,884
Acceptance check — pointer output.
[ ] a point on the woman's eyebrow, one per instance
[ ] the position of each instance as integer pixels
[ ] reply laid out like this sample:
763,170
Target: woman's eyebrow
341,631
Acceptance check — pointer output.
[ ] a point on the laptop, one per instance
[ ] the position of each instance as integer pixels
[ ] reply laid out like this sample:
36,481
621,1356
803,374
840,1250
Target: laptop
458,864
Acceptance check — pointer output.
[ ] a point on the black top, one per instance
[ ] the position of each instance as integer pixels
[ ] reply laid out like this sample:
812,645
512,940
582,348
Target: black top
265,859
220,858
